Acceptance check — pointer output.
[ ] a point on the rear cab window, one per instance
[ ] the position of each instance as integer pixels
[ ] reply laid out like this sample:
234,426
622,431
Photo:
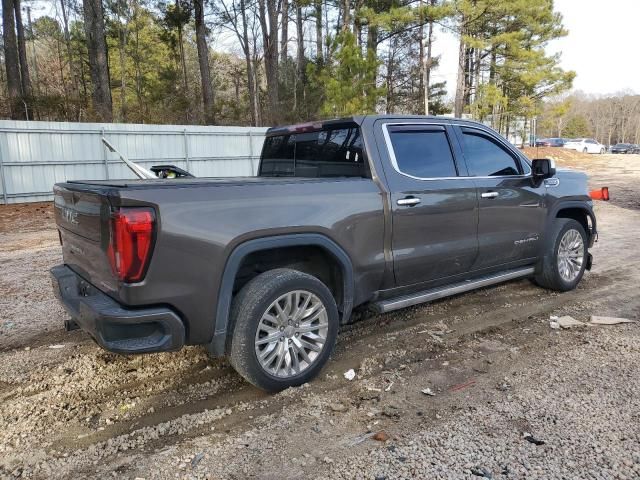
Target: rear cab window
333,151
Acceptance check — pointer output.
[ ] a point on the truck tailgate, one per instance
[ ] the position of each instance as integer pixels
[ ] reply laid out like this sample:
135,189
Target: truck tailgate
82,217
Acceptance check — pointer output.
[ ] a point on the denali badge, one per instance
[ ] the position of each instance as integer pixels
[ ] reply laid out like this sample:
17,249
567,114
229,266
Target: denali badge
526,240
70,216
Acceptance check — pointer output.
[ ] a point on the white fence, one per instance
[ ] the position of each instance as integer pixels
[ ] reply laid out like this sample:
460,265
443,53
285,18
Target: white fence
35,155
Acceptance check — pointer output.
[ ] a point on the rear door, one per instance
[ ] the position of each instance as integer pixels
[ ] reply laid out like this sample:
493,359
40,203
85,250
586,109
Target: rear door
434,210
511,209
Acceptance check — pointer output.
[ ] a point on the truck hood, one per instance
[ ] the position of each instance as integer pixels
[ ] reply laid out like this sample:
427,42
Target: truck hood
573,184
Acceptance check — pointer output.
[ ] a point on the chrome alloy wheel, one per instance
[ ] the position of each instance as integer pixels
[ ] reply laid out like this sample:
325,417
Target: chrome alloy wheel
291,333
570,255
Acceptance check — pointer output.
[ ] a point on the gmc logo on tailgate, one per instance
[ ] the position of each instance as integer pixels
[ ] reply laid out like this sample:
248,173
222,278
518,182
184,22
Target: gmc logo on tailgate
70,216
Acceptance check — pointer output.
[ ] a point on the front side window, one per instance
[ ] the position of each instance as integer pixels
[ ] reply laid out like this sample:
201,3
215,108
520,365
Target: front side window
332,152
422,153
486,158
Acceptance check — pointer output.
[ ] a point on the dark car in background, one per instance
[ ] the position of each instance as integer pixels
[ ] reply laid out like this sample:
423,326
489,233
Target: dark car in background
623,148
550,142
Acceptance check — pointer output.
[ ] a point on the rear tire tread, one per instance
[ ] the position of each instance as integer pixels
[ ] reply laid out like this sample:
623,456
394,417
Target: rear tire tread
247,309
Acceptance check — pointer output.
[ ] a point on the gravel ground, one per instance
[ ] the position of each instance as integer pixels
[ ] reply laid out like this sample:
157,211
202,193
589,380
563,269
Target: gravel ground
513,398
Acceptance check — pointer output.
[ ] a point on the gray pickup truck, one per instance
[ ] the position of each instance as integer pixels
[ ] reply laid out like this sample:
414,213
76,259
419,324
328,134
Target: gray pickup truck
368,213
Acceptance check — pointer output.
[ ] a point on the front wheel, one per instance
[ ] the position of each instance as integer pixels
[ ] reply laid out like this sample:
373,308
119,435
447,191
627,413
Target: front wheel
286,324
565,260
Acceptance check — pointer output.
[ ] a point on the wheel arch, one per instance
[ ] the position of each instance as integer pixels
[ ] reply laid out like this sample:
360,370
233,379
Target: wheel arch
218,345
579,211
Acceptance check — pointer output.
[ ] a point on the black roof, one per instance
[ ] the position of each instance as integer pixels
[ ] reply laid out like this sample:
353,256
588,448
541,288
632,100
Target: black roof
359,119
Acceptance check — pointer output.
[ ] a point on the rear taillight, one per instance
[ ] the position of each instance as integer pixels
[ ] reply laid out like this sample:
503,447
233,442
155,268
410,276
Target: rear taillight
131,242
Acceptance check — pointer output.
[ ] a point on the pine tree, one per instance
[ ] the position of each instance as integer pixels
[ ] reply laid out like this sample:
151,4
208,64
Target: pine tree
349,80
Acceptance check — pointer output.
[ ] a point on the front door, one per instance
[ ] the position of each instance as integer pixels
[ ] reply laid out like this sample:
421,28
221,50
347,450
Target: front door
434,210
511,208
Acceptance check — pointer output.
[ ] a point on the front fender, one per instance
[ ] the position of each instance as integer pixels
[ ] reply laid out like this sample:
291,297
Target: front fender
585,207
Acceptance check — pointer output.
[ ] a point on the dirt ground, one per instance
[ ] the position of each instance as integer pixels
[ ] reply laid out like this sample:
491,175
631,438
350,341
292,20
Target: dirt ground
513,398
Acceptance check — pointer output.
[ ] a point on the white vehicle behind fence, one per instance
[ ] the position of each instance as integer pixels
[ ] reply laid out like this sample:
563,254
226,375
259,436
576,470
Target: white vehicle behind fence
585,145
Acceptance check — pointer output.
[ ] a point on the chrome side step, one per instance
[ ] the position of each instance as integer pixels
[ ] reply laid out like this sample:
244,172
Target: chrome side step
449,290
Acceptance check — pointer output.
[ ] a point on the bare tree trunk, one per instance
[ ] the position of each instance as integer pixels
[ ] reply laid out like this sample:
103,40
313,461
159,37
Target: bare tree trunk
251,84
468,75
300,64
428,64
476,72
11,61
33,49
138,68
269,25
122,44
346,15
25,78
203,60
98,59
67,41
460,82
423,66
256,84
492,81
319,41
284,39
389,77
183,60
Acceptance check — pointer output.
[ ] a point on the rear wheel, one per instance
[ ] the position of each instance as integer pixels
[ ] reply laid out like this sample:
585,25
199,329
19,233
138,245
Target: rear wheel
286,324
564,262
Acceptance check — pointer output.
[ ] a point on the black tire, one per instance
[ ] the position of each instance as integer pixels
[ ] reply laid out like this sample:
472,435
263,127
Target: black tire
549,272
248,307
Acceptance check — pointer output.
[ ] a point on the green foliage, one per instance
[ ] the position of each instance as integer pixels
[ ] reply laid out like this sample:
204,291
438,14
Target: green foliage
577,126
348,80
374,63
509,36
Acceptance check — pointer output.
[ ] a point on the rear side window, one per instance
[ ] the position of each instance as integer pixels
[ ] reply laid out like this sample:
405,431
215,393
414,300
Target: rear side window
335,152
422,153
486,158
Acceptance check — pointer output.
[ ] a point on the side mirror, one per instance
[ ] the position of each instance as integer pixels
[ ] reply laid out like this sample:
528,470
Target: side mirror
542,168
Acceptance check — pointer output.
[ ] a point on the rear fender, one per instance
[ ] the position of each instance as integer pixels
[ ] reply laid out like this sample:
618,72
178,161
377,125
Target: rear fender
217,346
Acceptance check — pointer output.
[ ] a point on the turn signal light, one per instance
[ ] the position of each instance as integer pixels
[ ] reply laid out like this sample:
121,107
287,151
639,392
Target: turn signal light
131,241
600,194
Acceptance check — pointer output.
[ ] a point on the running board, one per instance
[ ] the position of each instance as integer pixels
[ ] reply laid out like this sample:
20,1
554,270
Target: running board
441,292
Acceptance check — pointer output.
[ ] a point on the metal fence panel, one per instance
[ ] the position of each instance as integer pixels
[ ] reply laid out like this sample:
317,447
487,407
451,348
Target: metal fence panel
35,155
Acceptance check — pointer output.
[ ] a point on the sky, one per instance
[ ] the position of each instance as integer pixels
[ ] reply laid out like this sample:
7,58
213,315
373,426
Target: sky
601,47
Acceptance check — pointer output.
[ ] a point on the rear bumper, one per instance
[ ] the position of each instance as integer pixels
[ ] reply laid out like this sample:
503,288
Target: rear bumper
112,326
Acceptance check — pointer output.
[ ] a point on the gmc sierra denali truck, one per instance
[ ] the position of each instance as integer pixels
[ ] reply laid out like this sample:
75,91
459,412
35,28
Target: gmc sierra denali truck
373,213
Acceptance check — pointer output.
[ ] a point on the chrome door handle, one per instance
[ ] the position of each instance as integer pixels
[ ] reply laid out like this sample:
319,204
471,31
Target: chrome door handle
489,194
408,202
